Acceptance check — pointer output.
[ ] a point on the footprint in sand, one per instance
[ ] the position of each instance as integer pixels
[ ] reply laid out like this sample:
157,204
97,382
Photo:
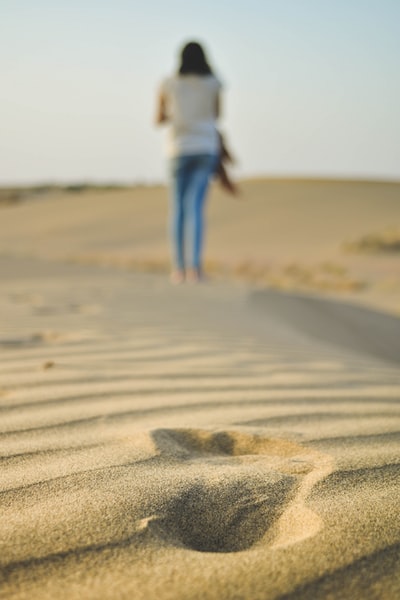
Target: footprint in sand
44,337
74,308
86,309
41,307
26,298
236,488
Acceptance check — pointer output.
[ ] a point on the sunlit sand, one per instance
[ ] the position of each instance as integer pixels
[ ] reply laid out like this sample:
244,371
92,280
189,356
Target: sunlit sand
233,439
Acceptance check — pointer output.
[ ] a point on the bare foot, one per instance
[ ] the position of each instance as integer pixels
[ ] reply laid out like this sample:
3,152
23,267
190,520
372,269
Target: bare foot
195,275
177,277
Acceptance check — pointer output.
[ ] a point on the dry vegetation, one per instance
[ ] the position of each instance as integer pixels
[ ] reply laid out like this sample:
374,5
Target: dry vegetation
12,195
326,276
376,243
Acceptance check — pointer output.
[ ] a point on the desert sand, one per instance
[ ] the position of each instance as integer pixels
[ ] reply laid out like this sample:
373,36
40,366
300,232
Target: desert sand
237,439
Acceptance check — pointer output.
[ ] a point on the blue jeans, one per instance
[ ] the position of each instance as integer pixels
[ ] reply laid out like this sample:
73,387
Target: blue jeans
190,177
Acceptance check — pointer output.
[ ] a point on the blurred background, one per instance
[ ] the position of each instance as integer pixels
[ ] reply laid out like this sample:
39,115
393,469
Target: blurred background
311,87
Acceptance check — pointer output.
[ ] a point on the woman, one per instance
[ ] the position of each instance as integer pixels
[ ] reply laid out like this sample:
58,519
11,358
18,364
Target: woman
189,101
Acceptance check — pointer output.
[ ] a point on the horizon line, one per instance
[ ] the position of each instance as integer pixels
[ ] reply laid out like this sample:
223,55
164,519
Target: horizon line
119,183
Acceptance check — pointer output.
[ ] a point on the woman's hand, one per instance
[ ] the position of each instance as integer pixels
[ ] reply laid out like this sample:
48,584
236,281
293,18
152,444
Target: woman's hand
161,114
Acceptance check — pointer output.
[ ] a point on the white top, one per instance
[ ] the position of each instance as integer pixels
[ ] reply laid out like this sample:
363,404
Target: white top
191,102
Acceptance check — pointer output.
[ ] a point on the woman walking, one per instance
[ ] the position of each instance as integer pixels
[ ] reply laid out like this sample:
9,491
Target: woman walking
189,103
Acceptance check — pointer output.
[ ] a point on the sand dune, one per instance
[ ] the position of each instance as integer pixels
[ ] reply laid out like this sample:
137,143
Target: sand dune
189,442
285,234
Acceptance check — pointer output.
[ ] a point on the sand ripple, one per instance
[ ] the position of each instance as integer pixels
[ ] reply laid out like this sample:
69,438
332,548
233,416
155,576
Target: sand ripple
203,439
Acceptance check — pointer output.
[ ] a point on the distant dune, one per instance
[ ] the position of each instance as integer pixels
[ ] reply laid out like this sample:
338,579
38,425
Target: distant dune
301,234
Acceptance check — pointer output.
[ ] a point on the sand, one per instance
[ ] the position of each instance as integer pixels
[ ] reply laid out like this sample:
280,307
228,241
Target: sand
285,234
232,440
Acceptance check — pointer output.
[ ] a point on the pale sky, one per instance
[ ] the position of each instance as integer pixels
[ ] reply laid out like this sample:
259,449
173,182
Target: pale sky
311,87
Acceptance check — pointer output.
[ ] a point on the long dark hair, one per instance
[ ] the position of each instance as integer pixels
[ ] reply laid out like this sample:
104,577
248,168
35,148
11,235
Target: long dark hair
193,60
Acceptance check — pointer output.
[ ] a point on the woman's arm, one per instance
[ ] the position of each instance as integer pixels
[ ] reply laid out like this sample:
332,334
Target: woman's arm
218,106
161,112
